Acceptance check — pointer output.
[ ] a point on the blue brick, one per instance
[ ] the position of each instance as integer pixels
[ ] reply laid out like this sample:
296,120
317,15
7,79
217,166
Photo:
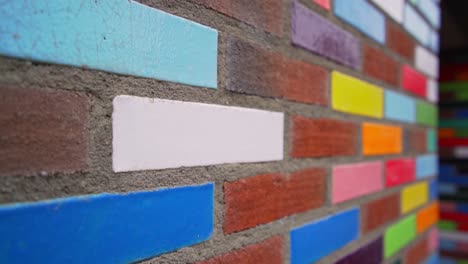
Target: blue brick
416,25
434,41
106,228
432,259
445,188
461,180
318,239
447,244
399,107
363,16
431,11
426,166
118,36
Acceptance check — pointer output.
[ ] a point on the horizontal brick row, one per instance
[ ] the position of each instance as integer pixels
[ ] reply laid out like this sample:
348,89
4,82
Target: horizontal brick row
192,47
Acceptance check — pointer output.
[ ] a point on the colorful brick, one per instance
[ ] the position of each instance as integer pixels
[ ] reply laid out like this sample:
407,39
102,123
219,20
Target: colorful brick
354,180
264,198
414,196
153,133
427,217
351,95
432,92
312,241
431,11
426,166
413,81
399,107
393,8
322,137
86,34
368,254
315,33
399,235
363,16
426,113
281,77
43,131
90,228
323,3
426,62
380,139
416,25
431,138
399,171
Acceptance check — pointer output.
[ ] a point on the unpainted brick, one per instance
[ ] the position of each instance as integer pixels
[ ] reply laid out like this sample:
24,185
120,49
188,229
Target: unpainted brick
254,70
379,212
269,251
322,137
418,252
380,66
418,140
264,198
42,131
263,14
399,41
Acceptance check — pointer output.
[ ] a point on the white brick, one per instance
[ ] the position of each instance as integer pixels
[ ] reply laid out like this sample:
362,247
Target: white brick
394,8
427,62
432,91
157,134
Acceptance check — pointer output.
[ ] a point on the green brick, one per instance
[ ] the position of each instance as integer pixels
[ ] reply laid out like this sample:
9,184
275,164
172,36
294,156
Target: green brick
399,235
426,113
431,138
454,123
447,225
461,132
453,86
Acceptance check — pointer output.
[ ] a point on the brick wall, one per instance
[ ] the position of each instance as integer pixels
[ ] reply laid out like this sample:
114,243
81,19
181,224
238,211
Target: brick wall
202,131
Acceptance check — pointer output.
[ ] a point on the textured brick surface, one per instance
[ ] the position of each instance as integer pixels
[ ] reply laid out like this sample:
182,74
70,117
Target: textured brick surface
399,41
380,212
417,252
253,70
379,65
322,137
263,14
264,198
269,251
418,140
313,32
42,131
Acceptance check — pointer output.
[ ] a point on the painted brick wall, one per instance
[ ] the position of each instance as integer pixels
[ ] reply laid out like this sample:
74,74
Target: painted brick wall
204,131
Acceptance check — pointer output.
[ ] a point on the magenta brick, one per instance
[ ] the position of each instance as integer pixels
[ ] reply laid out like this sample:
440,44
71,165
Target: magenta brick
314,33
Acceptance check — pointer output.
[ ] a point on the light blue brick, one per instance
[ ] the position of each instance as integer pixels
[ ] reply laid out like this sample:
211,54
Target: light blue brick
117,36
416,25
426,166
399,107
363,16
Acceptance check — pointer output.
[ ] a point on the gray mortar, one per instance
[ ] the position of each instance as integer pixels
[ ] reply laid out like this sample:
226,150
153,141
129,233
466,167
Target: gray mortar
102,87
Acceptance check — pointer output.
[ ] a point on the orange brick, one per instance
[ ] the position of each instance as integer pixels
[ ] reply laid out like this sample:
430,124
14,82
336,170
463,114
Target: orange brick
380,139
427,217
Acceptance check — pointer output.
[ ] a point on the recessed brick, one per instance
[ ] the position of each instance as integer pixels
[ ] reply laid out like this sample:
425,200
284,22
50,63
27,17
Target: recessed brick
42,130
379,65
269,251
417,252
399,41
254,70
264,198
263,14
322,137
379,212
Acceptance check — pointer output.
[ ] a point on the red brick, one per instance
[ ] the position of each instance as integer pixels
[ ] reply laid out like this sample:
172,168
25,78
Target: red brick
418,140
264,198
379,212
269,251
380,66
418,252
263,14
399,41
256,71
322,137
42,130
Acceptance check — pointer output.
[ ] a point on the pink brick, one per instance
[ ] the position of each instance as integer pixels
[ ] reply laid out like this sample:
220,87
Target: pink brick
354,180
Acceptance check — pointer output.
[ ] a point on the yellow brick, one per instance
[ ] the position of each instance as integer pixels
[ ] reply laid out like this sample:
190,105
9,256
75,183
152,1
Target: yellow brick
414,196
354,96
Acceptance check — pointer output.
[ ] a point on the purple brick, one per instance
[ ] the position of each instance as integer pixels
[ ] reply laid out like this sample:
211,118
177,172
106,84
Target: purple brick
369,254
314,33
